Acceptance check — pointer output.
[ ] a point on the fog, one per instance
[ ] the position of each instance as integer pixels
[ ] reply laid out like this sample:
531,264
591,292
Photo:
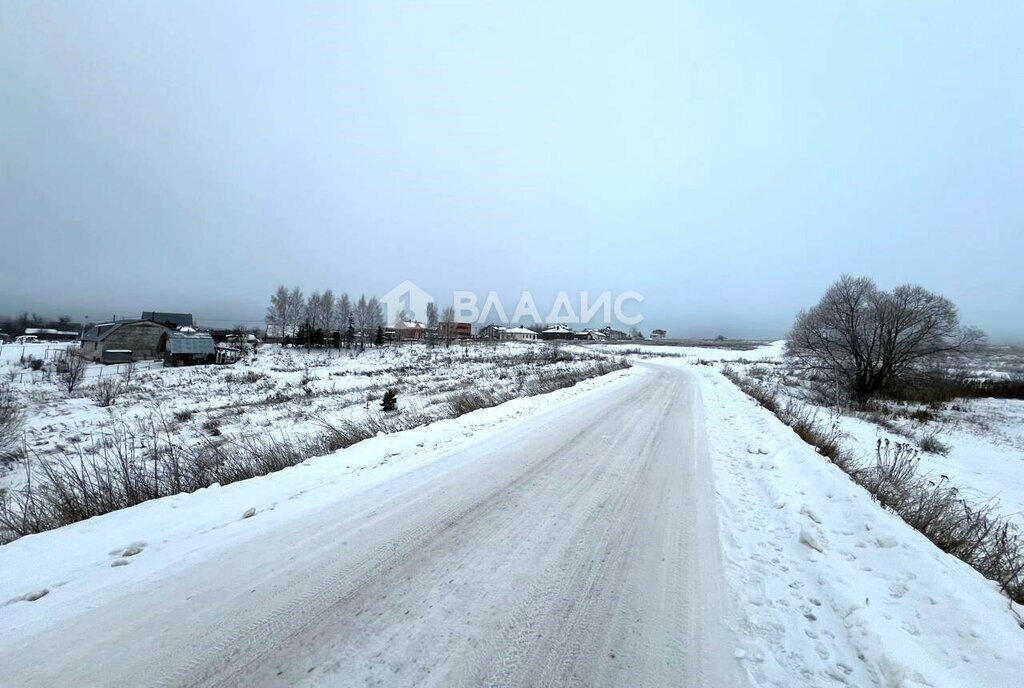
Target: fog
727,163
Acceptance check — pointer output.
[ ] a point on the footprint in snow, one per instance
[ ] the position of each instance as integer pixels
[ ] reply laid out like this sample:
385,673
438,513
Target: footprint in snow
129,551
30,596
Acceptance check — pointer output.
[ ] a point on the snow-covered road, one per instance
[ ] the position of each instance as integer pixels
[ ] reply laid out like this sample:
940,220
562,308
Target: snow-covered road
577,547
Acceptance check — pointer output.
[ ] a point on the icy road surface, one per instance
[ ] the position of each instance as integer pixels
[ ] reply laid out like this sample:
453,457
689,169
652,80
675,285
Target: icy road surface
579,547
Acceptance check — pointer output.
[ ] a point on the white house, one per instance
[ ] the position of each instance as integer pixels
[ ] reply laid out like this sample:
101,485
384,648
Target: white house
519,334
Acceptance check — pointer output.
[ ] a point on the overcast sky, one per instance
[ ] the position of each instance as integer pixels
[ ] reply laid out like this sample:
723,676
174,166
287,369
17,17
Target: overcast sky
726,160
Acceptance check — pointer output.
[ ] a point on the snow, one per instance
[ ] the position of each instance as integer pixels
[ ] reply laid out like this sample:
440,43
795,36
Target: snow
829,588
825,587
281,391
761,352
74,562
985,437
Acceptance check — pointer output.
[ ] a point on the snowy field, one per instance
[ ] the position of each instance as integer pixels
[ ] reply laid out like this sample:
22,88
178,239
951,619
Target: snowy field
278,392
754,351
824,586
977,444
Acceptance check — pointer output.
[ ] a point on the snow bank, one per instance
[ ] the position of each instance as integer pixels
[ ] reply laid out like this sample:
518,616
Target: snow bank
829,588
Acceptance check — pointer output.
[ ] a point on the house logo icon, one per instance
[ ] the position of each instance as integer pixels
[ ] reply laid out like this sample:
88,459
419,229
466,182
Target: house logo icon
407,298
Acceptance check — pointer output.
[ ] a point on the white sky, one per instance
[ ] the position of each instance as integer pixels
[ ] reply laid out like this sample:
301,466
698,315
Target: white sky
728,161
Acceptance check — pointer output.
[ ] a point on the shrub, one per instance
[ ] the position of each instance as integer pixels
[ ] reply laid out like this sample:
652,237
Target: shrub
931,443
106,390
390,401
71,370
922,416
12,419
461,403
129,372
251,377
941,386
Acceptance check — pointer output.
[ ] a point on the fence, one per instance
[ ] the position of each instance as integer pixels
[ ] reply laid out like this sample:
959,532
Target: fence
93,372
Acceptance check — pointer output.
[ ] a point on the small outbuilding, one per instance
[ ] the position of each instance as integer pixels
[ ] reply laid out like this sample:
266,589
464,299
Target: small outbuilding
111,356
186,348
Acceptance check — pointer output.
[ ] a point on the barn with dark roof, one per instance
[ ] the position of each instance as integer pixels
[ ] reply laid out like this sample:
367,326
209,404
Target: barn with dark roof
141,337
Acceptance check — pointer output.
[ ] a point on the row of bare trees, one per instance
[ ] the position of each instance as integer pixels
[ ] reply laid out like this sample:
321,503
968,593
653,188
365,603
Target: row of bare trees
323,312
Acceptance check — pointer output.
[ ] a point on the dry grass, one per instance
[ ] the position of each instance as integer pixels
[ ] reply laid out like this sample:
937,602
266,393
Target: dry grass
972,532
12,419
133,464
105,391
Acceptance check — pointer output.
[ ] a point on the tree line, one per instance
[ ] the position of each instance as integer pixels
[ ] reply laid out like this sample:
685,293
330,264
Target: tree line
323,319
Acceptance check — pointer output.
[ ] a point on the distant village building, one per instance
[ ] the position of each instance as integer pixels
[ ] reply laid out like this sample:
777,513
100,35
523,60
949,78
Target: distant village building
504,334
558,332
613,334
455,330
520,334
141,337
658,334
51,334
592,335
409,329
492,332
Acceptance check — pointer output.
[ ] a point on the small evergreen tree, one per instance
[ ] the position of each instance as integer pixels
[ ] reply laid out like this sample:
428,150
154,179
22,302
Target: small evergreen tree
390,400
350,335
379,339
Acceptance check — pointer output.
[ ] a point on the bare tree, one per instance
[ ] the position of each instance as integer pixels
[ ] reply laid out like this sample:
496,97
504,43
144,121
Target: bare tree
375,312
342,310
447,325
431,323
277,311
361,314
325,312
862,338
296,312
